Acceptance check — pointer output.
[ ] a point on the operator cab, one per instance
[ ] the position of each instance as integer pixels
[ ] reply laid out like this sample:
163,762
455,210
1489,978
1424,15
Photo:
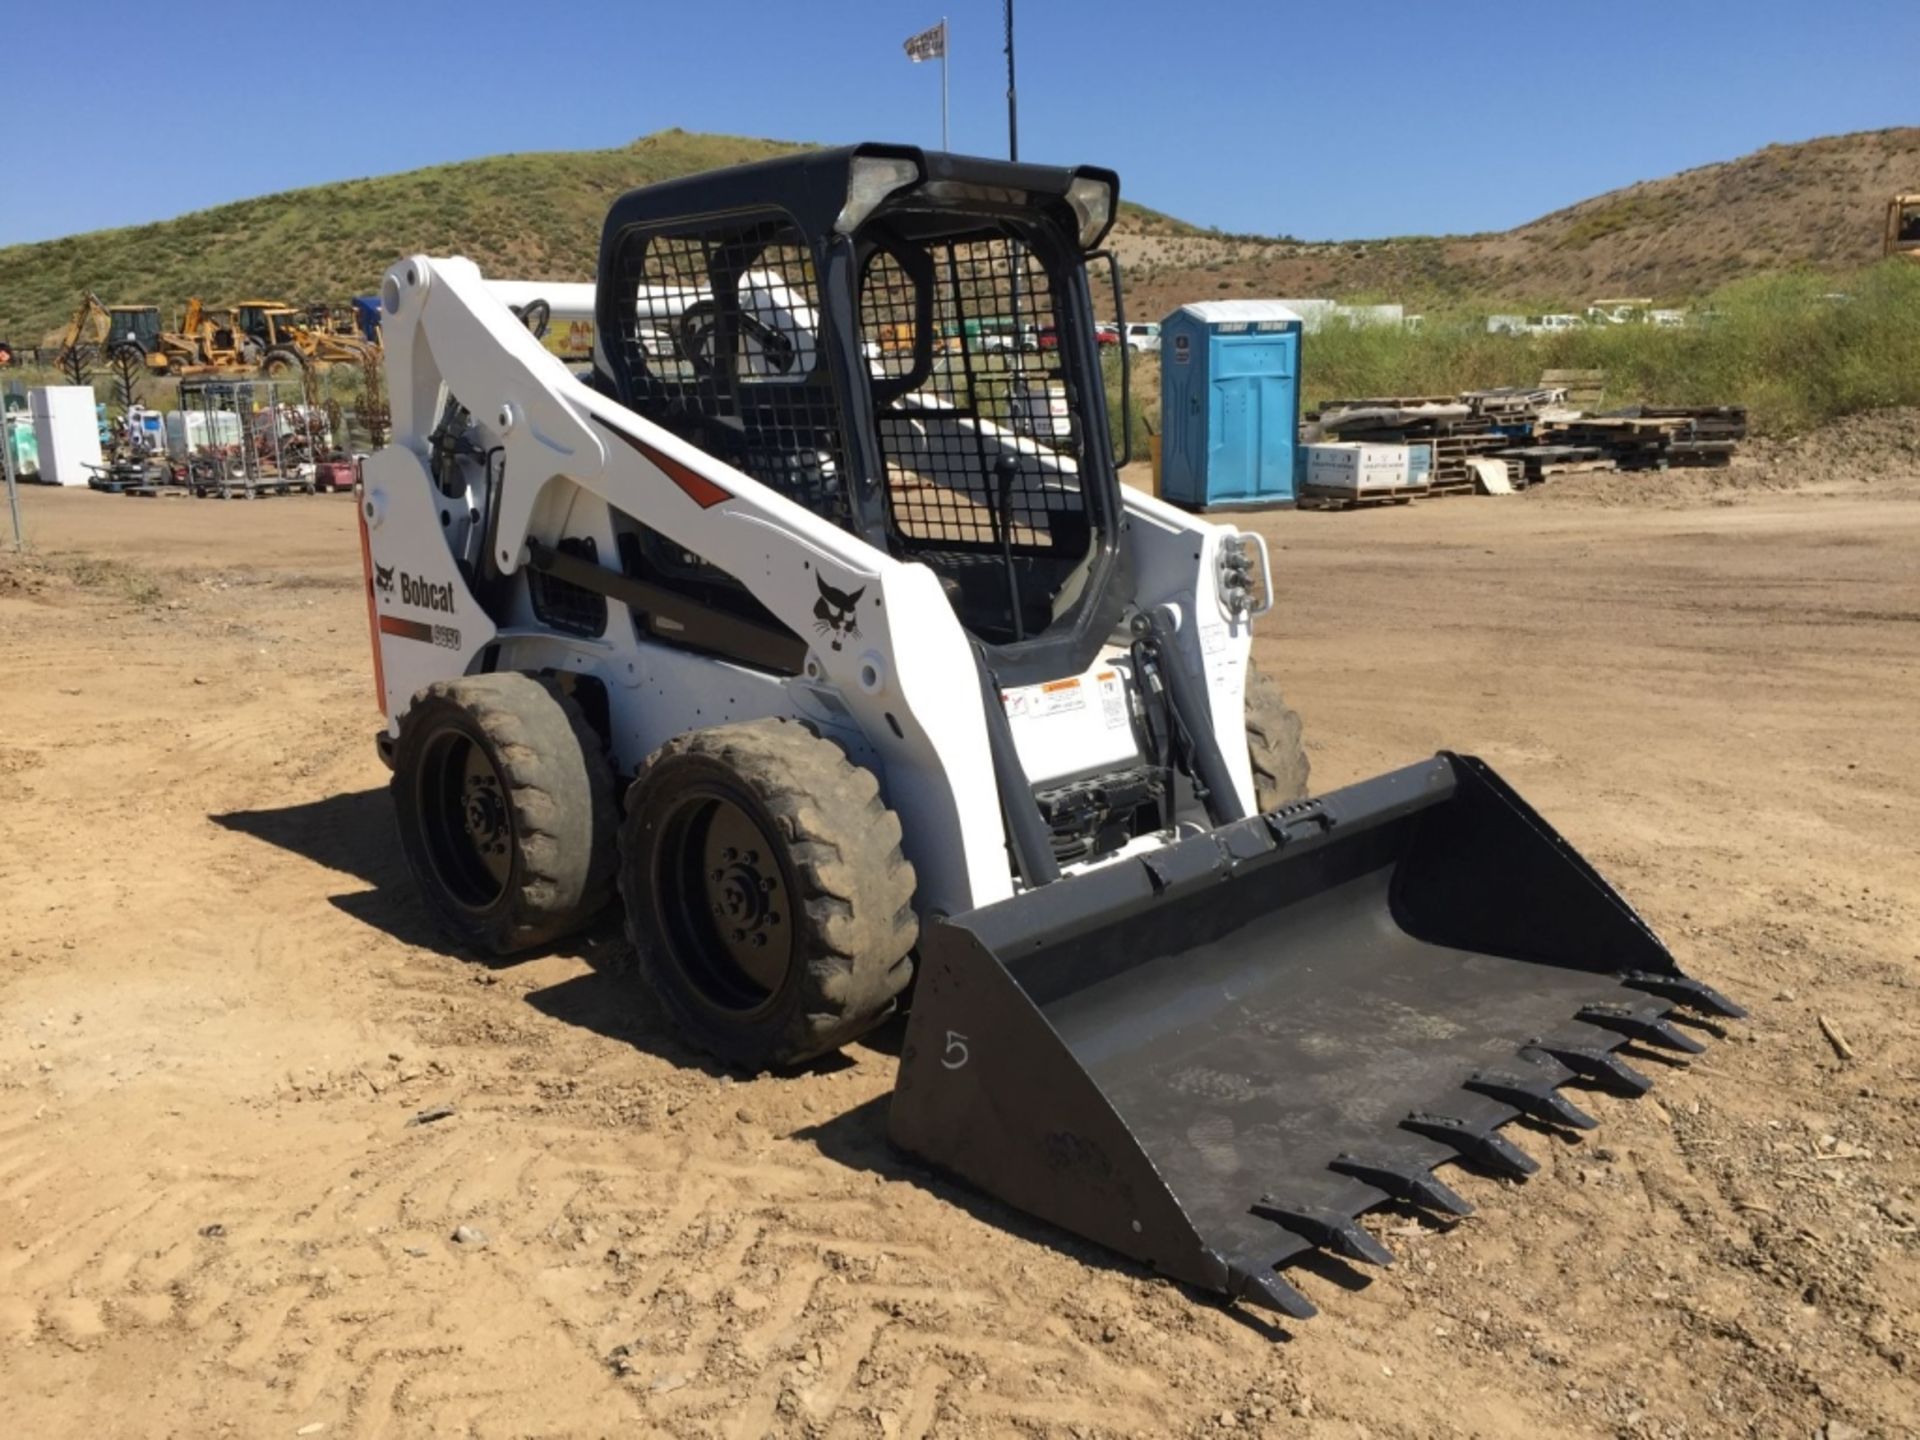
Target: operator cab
858,330
135,325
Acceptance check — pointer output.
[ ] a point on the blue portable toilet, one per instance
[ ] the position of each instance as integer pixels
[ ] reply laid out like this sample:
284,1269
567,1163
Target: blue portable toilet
1229,403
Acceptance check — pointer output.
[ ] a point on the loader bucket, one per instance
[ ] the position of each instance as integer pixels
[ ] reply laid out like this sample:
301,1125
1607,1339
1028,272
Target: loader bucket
1214,1056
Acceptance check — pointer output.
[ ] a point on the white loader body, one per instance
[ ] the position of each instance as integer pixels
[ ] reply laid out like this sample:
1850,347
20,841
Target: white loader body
890,676
813,628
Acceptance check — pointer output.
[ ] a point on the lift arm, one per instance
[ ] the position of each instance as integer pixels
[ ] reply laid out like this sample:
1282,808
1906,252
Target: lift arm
880,632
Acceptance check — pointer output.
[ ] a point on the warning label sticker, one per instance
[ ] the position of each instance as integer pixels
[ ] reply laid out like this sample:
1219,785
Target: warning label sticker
1059,697
1113,699
1037,702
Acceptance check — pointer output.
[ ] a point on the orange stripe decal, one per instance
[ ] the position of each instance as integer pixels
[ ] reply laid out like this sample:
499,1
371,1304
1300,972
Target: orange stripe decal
406,629
698,488
373,606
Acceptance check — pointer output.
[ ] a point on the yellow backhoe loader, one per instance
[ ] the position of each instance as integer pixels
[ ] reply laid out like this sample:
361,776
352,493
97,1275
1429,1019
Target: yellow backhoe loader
104,330
207,343
1903,226
291,341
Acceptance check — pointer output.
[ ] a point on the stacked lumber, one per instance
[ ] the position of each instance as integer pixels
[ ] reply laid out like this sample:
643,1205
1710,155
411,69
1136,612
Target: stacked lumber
1534,433
1447,425
1631,442
1700,434
1541,463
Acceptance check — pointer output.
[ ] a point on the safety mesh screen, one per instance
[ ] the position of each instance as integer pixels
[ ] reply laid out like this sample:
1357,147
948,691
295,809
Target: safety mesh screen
977,421
723,343
562,605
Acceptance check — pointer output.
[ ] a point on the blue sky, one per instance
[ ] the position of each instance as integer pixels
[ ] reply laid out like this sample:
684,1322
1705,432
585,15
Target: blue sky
1322,121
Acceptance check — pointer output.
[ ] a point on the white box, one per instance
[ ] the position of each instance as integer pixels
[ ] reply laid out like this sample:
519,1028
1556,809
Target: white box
66,427
191,431
1350,468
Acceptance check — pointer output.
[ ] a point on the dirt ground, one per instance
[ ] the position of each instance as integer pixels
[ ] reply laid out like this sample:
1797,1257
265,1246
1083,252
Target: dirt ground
221,1008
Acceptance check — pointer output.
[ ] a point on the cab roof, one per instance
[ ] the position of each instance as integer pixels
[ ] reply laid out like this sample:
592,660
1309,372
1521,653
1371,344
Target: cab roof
811,186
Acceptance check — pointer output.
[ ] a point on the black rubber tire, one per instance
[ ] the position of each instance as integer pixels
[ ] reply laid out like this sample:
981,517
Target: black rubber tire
276,363
1280,767
836,852
560,804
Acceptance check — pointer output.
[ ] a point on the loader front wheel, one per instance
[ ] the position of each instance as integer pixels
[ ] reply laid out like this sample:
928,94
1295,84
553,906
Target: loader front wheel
1274,745
505,801
768,903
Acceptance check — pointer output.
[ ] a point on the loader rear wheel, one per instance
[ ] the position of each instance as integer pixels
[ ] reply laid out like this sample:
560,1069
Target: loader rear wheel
506,807
282,363
768,903
1273,744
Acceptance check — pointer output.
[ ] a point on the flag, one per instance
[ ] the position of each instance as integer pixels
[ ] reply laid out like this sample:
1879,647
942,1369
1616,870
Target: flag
928,44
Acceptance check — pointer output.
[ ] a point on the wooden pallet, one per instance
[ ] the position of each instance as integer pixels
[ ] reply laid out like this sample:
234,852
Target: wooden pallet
1389,402
1377,500
1701,452
1341,500
1554,470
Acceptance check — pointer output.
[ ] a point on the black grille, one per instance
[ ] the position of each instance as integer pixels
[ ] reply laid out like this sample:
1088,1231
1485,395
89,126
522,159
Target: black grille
978,423
721,334
560,604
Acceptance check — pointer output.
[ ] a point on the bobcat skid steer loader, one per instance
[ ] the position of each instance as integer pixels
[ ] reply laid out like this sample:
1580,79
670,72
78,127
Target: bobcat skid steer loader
837,661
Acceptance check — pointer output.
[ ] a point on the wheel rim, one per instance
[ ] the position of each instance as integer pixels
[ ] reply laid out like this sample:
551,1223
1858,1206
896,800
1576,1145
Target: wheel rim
724,900
466,821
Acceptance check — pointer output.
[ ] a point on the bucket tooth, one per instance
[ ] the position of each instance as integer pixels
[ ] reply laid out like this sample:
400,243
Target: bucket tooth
1598,1064
1329,1229
1409,1182
1264,1288
1689,992
1536,1097
1236,1003
1482,1144
1637,1025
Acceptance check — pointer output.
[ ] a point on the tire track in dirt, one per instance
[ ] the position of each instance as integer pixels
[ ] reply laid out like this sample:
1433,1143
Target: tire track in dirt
679,1253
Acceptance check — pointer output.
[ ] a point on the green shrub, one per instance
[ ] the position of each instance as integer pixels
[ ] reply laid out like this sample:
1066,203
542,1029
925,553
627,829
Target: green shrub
1796,350
1141,415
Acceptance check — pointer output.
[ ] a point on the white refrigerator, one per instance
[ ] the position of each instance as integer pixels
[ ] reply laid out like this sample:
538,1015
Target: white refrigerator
66,426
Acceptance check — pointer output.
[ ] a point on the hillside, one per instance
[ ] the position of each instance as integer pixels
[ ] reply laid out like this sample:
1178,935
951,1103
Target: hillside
538,215
1819,203
533,215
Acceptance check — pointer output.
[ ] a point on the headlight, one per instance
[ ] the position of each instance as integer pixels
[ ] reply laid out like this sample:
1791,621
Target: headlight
871,179
1092,202
1244,576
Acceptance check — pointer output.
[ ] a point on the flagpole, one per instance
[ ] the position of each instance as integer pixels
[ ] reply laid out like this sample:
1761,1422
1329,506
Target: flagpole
946,44
1013,114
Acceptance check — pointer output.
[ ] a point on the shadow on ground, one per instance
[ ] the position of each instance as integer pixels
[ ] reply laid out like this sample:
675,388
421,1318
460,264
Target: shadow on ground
354,835
857,1139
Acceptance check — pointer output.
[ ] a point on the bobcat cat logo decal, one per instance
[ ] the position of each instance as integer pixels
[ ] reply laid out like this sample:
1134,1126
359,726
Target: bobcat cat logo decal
383,577
833,612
